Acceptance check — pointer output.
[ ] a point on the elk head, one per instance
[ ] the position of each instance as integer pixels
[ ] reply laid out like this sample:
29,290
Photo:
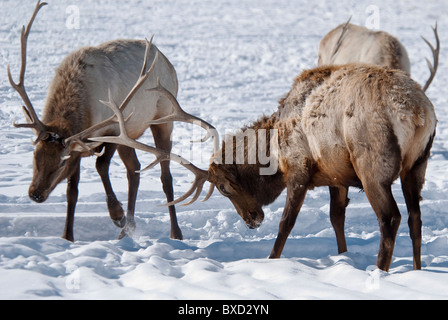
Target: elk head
230,182
245,171
55,159
49,143
49,168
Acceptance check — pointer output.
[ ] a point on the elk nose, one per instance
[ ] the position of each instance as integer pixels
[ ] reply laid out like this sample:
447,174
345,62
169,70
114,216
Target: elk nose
36,197
253,223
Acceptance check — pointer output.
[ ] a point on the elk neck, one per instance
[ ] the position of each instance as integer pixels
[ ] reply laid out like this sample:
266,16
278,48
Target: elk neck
66,110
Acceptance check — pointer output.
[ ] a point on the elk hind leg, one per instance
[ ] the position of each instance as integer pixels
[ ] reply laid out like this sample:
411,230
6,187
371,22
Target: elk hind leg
162,140
113,205
377,167
383,203
412,184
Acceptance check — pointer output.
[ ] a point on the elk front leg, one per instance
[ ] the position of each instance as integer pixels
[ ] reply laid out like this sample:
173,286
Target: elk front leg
167,183
72,199
113,205
338,203
294,201
130,160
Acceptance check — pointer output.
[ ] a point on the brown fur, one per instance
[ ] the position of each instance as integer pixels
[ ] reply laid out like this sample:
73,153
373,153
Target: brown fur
392,53
68,89
251,190
73,100
341,126
76,102
349,43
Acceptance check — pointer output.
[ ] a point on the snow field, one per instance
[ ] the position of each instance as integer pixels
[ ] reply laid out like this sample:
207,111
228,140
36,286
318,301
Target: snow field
234,60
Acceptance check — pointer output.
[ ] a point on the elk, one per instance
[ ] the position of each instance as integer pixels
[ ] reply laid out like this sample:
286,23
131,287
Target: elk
348,43
73,112
353,125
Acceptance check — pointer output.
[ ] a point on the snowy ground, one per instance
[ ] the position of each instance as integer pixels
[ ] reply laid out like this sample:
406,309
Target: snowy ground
234,59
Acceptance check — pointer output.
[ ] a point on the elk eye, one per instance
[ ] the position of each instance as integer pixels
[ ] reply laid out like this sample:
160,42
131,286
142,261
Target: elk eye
223,190
63,162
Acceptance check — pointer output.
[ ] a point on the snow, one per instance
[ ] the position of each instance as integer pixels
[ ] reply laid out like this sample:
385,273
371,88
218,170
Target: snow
234,59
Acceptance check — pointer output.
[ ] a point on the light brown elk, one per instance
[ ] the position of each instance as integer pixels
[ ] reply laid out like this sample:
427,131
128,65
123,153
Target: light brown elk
73,112
349,43
339,126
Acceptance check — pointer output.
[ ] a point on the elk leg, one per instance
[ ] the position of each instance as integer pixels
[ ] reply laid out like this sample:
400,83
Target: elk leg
294,201
383,203
162,140
114,206
412,184
377,166
338,203
130,160
72,199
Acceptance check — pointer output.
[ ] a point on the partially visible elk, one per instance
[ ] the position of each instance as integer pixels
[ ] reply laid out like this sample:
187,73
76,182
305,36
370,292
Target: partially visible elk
339,126
73,113
349,43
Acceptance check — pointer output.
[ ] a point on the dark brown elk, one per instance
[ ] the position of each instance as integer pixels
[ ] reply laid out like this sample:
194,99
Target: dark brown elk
73,113
349,43
339,126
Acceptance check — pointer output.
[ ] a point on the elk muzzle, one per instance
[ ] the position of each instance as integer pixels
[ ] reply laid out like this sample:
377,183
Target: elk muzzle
252,217
37,194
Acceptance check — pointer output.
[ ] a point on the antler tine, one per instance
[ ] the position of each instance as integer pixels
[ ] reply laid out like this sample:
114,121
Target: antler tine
143,75
435,54
161,155
210,192
343,31
142,78
30,113
198,192
179,114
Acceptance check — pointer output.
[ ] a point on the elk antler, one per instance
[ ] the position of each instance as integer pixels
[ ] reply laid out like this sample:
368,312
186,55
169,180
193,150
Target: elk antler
201,176
142,78
339,42
435,54
179,114
30,114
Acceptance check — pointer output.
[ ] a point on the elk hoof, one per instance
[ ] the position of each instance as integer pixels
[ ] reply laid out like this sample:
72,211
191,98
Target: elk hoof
128,230
120,223
176,234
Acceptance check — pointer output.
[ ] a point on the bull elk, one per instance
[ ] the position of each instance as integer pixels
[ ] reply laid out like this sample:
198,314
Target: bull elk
349,43
340,126
73,112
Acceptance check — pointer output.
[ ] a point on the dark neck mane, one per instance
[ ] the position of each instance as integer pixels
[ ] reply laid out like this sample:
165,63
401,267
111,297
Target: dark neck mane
246,170
66,111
